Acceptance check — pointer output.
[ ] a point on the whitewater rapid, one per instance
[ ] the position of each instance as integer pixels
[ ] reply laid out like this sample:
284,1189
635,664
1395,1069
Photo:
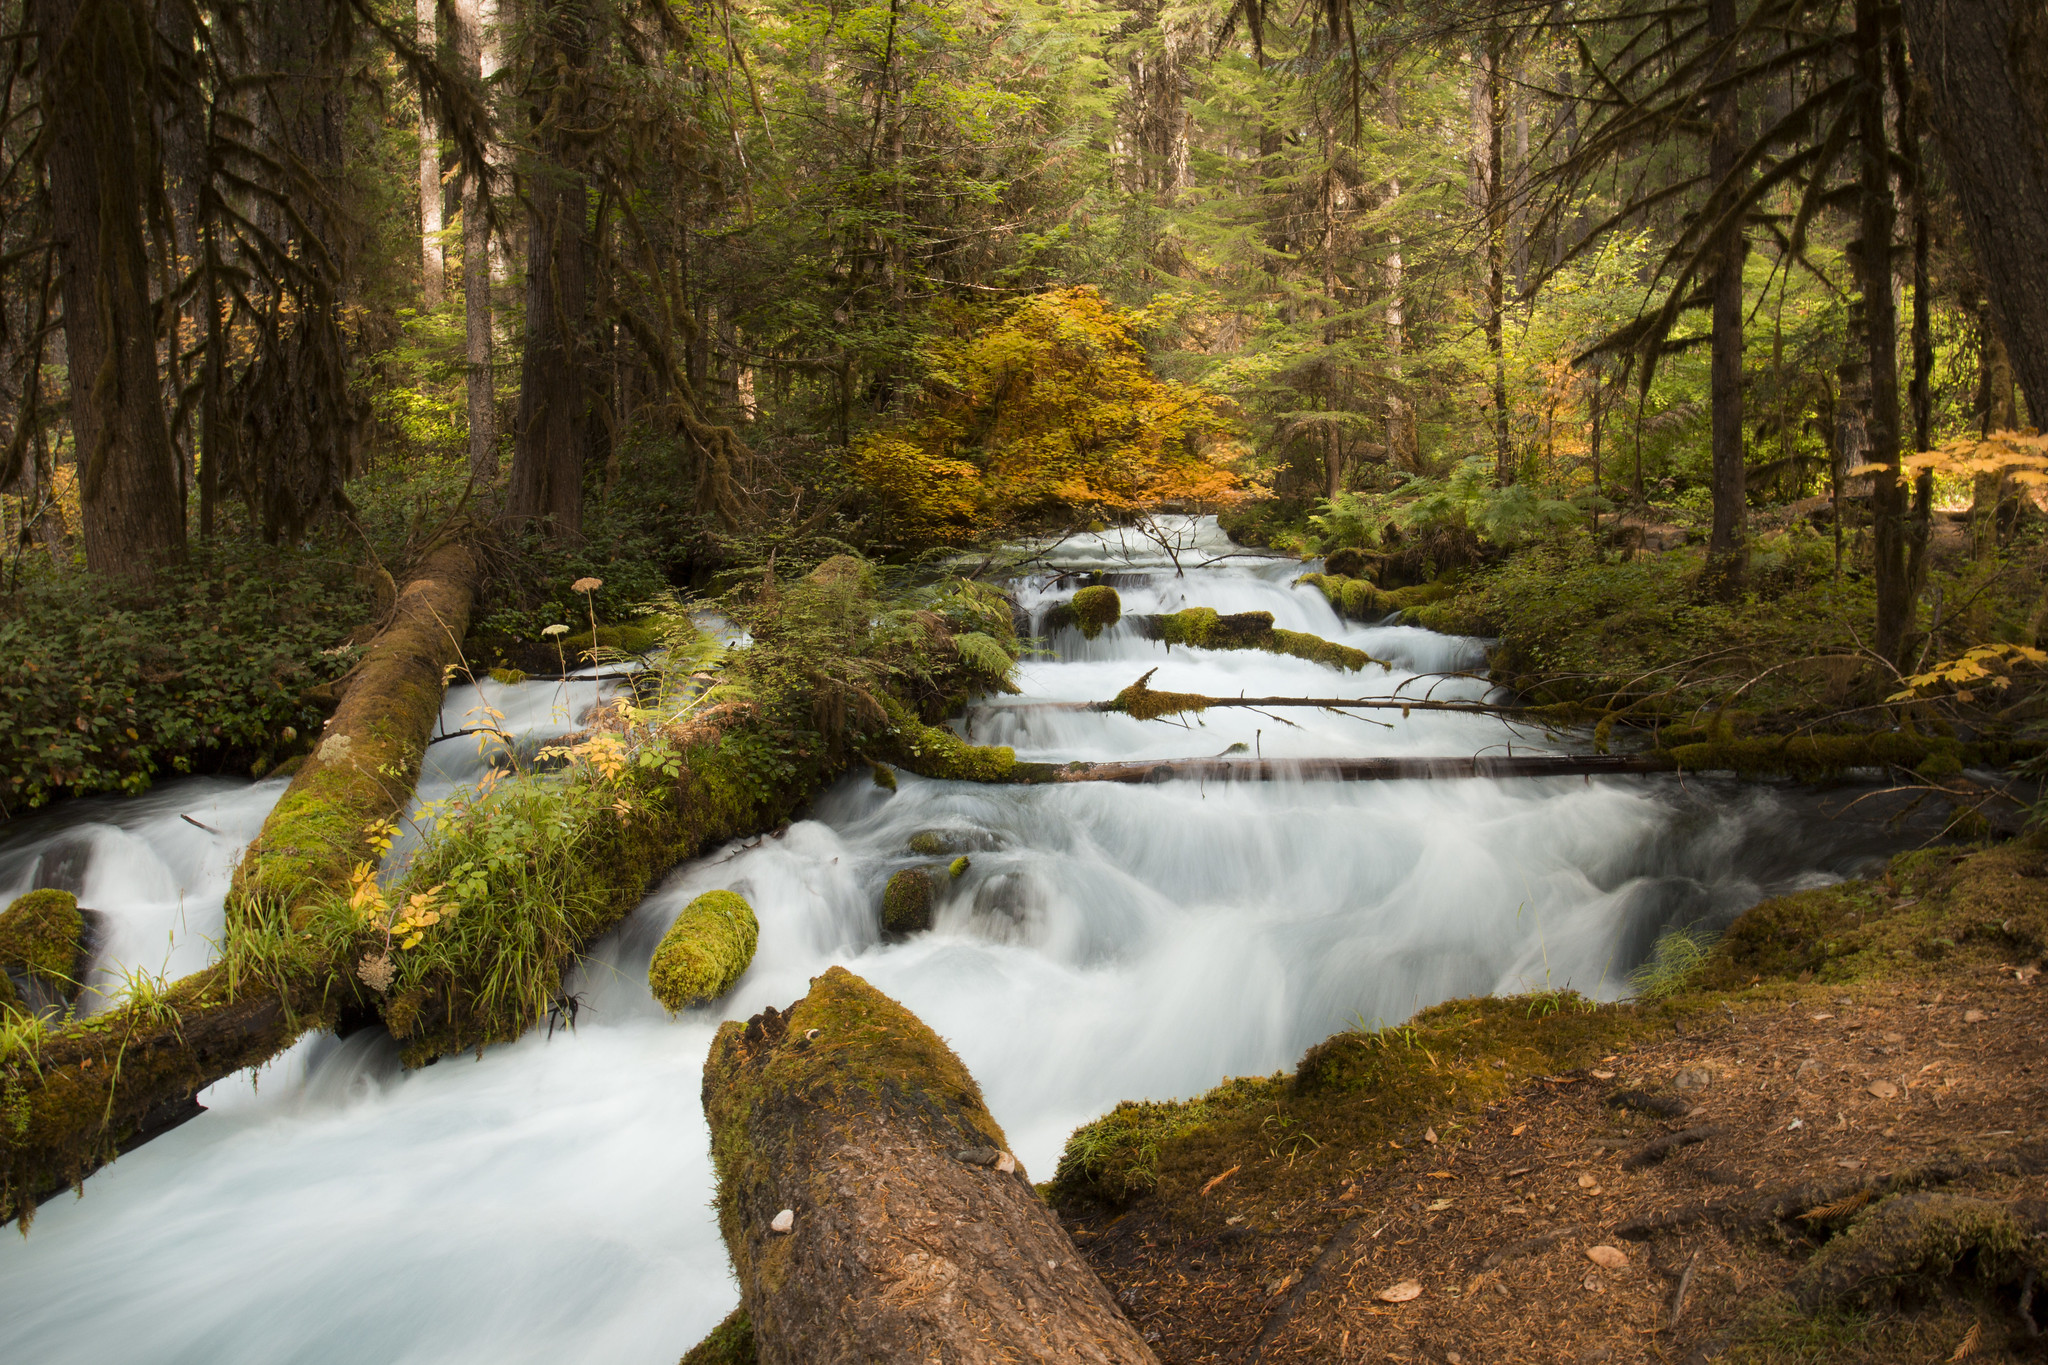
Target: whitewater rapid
551,1201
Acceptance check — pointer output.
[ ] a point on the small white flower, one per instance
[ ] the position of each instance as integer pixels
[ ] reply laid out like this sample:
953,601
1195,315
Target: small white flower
557,629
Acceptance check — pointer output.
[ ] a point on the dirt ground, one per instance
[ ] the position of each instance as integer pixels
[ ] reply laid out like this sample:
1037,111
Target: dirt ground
1542,1232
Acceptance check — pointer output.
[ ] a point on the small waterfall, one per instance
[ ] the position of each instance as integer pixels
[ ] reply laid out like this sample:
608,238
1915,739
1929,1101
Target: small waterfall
551,1201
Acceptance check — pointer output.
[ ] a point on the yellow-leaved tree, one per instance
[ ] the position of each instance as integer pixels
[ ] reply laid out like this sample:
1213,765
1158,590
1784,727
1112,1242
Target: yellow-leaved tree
1050,415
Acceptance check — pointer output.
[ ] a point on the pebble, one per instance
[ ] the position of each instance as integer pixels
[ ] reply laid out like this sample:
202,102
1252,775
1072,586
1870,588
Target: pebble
783,1222
1974,1016
1693,1078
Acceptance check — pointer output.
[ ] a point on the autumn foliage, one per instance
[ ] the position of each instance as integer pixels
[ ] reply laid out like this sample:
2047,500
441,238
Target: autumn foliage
1049,415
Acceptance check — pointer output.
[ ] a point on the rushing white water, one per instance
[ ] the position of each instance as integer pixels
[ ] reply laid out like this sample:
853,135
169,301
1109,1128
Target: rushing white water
550,1202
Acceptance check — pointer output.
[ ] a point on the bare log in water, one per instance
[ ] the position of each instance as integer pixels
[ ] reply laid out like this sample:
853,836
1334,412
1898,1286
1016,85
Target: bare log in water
1347,769
871,1207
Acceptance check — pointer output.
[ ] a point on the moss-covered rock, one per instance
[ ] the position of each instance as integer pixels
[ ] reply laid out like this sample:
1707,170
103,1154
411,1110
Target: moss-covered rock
1912,1243
729,1343
907,902
846,571
705,952
1096,608
958,867
1345,563
42,936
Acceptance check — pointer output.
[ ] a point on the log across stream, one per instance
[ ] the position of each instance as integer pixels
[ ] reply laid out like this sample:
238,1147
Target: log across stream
1105,940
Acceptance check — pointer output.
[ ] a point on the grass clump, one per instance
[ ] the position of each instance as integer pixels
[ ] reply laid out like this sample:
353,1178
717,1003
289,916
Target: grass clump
42,936
1096,608
705,952
1677,958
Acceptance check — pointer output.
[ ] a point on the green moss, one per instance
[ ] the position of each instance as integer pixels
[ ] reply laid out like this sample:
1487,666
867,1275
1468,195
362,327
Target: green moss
42,936
1345,563
630,638
729,1343
1817,756
705,952
511,677
1353,1093
847,571
1140,701
9,1000
1205,628
1361,601
1317,650
933,751
1096,608
958,868
907,902
883,775
1913,1243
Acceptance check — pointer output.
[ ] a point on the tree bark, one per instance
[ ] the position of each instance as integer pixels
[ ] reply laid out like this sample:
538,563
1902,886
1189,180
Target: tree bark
546,484
433,255
1873,265
94,60
1986,65
476,278
913,1235
1728,544
1491,103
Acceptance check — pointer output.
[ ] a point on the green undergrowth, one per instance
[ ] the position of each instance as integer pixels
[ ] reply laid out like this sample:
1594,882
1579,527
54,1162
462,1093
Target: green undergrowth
705,952
108,686
1355,1096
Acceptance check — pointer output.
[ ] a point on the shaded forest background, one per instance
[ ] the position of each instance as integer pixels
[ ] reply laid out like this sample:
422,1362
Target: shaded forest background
668,293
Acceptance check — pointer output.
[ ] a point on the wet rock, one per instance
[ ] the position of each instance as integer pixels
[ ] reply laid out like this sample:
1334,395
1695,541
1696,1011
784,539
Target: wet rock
907,902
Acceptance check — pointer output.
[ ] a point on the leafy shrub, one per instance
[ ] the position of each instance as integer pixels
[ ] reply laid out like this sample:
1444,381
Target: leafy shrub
104,688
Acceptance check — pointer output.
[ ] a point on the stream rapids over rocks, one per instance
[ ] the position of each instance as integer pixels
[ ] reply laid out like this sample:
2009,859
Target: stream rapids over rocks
551,1201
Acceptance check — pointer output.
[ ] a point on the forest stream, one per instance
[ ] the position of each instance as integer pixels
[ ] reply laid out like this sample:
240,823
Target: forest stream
552,1200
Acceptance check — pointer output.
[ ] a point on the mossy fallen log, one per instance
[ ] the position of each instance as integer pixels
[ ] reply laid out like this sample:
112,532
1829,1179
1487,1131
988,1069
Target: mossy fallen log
368,759
705,952
1141,701
74,1097
870,1206
1206,628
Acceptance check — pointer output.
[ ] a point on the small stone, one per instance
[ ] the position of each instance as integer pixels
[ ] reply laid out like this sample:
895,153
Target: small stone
1693,1078
1453,1358
783,1222
1884,1090
1974,1016
1005,1164
1895,1037
1400,1293
978,1156
1587,1182
1429,1135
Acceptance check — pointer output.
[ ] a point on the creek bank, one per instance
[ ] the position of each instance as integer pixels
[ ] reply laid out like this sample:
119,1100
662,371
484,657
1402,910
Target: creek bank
869,1202
1854,1066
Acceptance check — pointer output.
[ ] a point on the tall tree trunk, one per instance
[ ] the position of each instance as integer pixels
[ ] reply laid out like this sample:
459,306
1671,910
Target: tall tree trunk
1490,110
433,255
1986,65
545,488
1400,414
94,60
476,277
1996,411
1728,544
1920,393
1873,258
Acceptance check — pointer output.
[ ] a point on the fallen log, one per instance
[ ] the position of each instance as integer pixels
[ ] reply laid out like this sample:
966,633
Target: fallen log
1388,769
81,1094
869,1204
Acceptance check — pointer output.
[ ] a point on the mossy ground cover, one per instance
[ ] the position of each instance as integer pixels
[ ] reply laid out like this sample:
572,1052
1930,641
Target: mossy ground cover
1481,1149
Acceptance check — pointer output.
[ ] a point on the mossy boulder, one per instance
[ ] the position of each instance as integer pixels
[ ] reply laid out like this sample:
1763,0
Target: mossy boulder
907,902
42,936
1911,1244
1096,608
705,952
846,571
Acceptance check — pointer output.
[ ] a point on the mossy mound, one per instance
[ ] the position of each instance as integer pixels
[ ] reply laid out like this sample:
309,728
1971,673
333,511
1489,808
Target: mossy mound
907,902
1447,1062
846,571
1096,608
1912,1244
934,751
1140,701
42,936
729,1343
1345,563
705,952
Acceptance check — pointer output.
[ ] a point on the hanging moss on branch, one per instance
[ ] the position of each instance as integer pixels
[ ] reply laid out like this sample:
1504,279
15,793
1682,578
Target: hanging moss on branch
705,952
870,1204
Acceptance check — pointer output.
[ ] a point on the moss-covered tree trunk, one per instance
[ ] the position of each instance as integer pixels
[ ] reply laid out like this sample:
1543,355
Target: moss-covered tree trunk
870,1207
